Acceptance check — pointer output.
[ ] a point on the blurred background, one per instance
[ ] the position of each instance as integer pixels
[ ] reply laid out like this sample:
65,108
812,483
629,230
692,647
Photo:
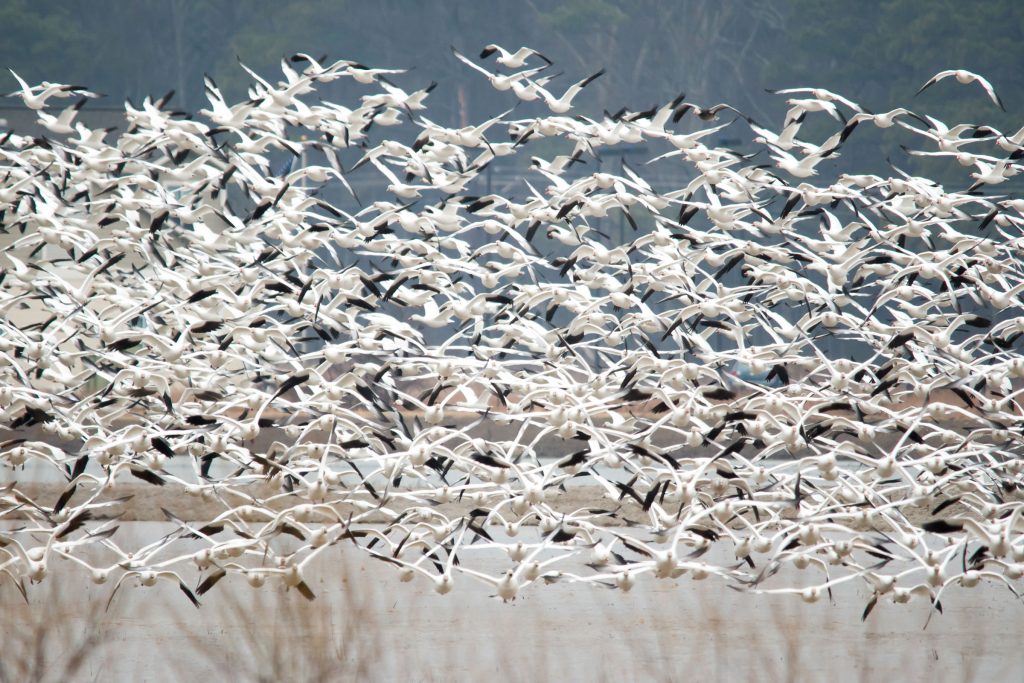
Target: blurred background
876,52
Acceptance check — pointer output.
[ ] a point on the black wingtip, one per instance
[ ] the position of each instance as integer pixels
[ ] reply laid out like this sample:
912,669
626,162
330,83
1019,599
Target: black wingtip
188,594
586,81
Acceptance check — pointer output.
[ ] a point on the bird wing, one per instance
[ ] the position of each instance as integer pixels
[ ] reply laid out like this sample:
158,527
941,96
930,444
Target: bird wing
991,91
24,86
935,79
462,58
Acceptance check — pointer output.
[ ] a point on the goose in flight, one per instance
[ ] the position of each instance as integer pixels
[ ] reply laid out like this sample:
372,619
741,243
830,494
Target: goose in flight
61,124
563,104
883,120
512,60
35,97
820,94
498,81
801,168
965,77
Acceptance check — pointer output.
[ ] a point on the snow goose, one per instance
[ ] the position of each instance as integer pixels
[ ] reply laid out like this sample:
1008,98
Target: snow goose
561,105
35,97
499,82
963,76
513,60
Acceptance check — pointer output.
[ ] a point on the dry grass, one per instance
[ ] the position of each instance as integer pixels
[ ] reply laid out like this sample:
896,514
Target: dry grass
44,641
277,635
361,629
710,642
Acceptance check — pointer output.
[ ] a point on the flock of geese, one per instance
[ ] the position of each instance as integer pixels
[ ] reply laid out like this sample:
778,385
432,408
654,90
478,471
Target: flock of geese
782,382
